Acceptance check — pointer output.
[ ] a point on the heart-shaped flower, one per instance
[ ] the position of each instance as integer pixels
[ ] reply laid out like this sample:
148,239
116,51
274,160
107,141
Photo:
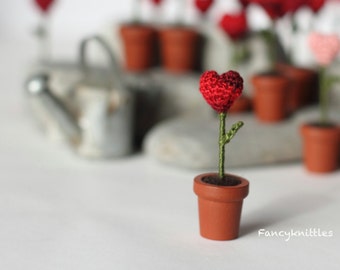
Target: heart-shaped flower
220,91
244,3
274,8
157,2
235,25
315,5
203,5
44,5
291,6
324,47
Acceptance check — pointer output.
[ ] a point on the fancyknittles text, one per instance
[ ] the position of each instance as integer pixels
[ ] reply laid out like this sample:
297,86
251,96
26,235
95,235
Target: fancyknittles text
287,235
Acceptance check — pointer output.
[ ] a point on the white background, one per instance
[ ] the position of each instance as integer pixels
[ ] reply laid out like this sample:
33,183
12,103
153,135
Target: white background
59,211
72,20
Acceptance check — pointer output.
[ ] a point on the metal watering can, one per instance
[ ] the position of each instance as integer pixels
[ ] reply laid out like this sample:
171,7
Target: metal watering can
99,124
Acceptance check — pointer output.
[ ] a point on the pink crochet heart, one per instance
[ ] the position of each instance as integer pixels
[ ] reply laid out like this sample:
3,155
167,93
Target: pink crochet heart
324,47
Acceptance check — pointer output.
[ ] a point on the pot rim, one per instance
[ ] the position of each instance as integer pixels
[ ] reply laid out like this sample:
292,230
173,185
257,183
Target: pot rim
317,125
312,129
221,193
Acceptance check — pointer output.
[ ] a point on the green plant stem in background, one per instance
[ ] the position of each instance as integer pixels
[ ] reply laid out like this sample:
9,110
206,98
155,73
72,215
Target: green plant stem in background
275,50
225,138
270,40
181,13
325,84
241,53
136,11
323,96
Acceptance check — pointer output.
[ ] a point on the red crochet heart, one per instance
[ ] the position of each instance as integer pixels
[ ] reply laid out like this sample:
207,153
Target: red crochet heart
315,5
274,8
244,3
156,2
203,5
44,5
220,91
235,25
291,6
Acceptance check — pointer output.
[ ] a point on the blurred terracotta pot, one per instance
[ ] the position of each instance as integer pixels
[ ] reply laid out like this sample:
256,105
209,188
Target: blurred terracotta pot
179,48
242,104
139,46
321,147
303,83
220,207
270,96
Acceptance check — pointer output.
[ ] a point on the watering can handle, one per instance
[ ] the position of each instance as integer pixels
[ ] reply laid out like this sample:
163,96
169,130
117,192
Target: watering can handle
115,70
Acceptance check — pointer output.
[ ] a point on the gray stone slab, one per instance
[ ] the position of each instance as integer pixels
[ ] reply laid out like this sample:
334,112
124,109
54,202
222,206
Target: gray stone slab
191,140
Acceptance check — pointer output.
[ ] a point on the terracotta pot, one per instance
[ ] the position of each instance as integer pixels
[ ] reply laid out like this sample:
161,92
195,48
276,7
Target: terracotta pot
242,104
178,48
220,207
139,46
321,147
302,89
270,96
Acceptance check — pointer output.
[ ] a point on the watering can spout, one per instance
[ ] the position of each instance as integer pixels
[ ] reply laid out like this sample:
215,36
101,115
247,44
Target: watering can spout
53,113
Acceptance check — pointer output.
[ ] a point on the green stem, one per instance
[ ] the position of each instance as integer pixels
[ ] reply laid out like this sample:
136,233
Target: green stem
181,12
272,45
323,96
136,11
221,142
224,138
240,54
269,39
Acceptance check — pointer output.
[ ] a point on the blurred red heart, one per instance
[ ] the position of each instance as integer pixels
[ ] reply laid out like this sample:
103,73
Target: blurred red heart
203,5
44,5
291,6
235,25
274,8
156,2
315,5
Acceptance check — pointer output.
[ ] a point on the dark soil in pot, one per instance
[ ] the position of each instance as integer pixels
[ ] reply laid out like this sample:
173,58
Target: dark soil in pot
227,180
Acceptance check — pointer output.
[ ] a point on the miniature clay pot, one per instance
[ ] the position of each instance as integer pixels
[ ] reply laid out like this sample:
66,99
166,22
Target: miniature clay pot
220,207
321,147
302,88
178,48
270,96
139,46
242,104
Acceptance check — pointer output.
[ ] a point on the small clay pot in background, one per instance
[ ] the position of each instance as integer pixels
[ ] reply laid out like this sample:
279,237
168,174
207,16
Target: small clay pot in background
321,147
179,49
242,104
220,207
270,97
303,84
139,42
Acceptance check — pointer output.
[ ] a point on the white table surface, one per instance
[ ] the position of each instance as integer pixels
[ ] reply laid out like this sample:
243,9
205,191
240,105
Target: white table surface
59,211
